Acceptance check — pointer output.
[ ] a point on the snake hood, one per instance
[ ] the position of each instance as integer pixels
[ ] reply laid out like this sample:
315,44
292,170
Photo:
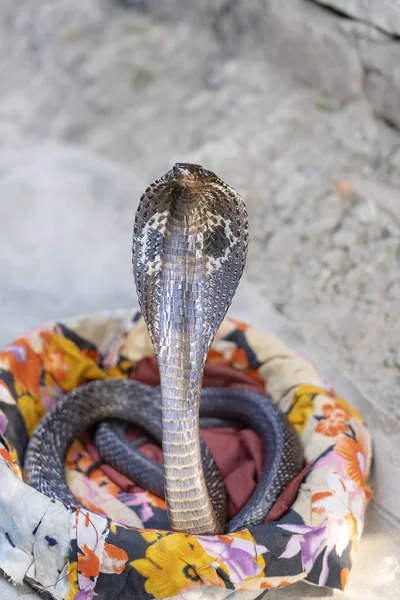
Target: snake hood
192,223
189,250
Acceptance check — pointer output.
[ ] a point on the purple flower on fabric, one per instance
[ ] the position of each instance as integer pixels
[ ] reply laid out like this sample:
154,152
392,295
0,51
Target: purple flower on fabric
49,394
19,352
140,499
313,544
310,541
238,555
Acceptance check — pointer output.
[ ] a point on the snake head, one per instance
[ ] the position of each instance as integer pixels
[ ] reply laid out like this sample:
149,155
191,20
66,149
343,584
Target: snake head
188,175
189,247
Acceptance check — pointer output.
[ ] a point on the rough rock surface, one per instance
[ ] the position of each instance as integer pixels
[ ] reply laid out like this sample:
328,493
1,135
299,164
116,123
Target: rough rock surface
384,14
151,86
380,57
306,42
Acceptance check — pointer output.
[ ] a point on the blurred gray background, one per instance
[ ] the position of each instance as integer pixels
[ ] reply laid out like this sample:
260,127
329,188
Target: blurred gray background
295,103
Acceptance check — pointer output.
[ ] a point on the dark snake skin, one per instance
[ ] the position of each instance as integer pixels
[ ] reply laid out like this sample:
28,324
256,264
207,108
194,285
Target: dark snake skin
220,407
189,250
124,455
139,404
96,401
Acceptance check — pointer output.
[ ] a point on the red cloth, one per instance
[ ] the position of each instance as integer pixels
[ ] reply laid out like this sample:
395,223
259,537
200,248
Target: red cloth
239,454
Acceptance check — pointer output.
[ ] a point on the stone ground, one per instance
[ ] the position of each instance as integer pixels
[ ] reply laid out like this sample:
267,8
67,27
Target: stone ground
147,86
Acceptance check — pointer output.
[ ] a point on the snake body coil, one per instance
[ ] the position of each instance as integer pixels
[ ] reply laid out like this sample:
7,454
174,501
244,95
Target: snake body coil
140,405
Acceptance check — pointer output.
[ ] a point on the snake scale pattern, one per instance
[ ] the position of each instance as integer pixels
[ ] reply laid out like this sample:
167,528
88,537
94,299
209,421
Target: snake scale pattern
189,250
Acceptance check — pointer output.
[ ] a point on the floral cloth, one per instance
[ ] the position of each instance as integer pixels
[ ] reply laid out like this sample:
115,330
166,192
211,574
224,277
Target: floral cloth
106,552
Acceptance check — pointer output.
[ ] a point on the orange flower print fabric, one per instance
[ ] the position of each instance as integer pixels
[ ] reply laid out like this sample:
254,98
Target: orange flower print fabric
354,453
110,553
335,419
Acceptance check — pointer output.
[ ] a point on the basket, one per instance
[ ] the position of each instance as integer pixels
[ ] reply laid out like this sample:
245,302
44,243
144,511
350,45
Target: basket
120,547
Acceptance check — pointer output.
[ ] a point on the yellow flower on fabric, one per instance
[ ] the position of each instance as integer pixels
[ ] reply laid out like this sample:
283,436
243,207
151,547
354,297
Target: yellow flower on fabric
115,372
32,411
246,535
124,366
303,405
113,527
172,564
20,389
153,535
30,406
69,366
72,581
66,363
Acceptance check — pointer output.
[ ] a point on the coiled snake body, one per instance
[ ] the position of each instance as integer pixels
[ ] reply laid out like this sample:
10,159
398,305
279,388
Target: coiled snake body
189,251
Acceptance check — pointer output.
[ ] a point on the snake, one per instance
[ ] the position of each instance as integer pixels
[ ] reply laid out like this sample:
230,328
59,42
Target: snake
190,242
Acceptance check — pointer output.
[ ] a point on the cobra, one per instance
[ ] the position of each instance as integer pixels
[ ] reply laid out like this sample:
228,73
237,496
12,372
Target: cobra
189,251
